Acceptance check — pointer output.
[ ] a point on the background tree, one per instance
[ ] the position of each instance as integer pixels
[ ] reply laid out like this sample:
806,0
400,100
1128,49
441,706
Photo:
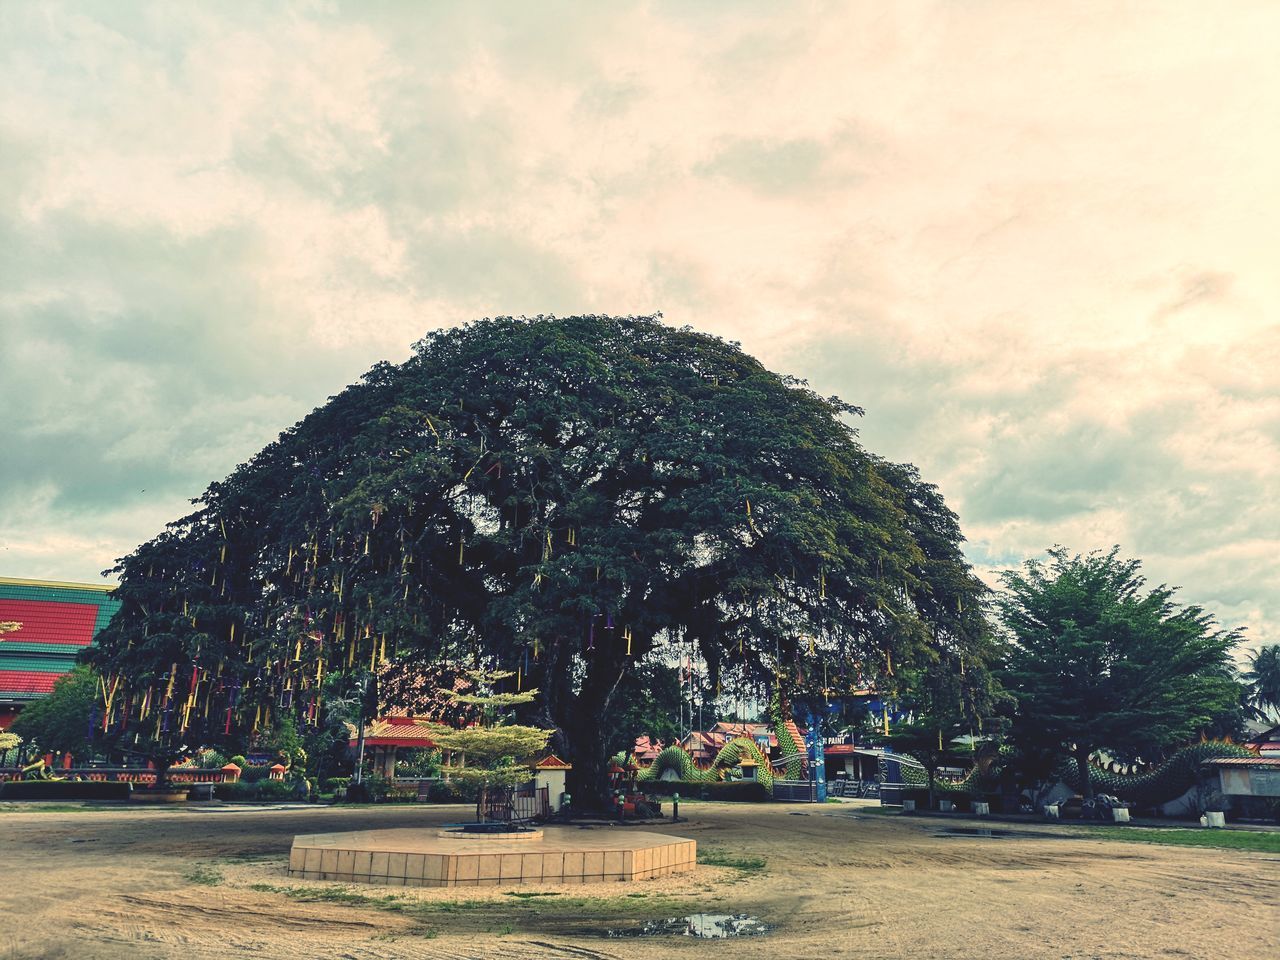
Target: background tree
495,749
647,703
1097,663
66,720
928,740
943,702
1262,680
567,497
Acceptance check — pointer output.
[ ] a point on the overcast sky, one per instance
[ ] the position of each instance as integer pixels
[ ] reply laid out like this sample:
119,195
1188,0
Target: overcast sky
1039,243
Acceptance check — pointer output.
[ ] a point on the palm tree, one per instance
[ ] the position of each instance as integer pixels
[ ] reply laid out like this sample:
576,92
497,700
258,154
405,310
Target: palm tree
1263,679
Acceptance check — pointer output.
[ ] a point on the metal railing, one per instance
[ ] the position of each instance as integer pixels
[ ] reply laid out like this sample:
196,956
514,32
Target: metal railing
795,791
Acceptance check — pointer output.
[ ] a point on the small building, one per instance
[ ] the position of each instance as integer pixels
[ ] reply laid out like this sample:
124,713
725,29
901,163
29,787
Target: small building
386,735
1246,776
55,621
550,772
1265,742
646,750
846,759
702,746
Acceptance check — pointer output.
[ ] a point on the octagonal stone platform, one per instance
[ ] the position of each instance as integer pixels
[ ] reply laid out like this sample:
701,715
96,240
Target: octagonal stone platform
424,858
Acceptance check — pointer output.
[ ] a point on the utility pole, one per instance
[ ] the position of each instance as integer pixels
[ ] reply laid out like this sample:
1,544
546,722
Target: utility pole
358,777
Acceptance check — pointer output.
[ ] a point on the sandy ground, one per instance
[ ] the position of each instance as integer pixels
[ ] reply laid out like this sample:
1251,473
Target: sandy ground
837,882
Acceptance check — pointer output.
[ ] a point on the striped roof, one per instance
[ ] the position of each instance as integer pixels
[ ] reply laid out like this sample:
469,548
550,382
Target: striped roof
394,732
57,620
552,762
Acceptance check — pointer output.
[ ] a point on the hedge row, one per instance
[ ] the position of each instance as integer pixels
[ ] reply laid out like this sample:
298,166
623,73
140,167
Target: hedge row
64,790
746,791
262,790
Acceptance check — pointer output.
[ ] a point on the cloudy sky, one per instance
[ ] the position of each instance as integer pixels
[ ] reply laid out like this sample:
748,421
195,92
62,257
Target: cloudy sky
1037,242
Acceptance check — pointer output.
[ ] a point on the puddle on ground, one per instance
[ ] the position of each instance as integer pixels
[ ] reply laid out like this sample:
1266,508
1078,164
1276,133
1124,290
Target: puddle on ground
996,833
704,926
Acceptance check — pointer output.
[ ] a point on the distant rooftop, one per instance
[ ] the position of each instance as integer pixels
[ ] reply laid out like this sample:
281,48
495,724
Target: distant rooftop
56,621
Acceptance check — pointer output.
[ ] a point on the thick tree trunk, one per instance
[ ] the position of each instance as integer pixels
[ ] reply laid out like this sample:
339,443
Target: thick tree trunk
1082,763
590,769
581,723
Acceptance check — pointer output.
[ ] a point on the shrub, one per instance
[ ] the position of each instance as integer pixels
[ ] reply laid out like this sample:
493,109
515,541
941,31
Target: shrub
443,792
239,761
335,783
402,792
745,791
277,790
453,791
419,763
377,785
64,790
236,791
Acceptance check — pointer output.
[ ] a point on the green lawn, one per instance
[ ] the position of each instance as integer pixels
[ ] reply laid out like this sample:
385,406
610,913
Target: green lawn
1254,840
40,806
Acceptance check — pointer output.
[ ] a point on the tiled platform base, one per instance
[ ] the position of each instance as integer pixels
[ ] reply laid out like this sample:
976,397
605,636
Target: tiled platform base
524,836
421,858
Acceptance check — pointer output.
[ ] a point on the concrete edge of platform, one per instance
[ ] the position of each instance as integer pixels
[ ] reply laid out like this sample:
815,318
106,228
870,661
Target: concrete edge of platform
343,860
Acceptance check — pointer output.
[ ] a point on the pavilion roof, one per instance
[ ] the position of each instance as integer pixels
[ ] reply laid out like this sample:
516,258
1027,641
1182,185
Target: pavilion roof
395,732
552,762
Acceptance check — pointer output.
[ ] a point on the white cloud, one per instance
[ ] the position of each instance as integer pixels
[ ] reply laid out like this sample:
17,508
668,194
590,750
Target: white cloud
1034,242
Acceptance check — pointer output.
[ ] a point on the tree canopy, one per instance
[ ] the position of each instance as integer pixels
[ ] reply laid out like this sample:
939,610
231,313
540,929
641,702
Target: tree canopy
66,720
1262,680
570,497
1099,662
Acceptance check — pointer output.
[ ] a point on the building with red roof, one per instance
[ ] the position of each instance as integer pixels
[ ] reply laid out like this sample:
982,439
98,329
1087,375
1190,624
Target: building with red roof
55,621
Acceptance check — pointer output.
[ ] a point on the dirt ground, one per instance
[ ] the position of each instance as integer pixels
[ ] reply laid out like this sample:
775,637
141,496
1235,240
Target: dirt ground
836,881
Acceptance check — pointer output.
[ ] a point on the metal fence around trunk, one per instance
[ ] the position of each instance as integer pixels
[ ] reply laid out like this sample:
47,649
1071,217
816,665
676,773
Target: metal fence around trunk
522,803
530,803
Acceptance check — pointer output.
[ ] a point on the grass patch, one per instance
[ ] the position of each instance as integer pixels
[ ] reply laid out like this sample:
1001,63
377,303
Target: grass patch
48,808
1248,840
513,910
204,875
332,895
718,858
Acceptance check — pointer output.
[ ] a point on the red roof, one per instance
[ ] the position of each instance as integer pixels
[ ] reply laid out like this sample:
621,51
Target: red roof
395,732
27,681
47,621
552,762
647,749
703,740
55,622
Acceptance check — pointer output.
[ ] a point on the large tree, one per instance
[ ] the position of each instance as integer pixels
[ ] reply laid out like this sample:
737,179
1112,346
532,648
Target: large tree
569,497
1099,662
1262,680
